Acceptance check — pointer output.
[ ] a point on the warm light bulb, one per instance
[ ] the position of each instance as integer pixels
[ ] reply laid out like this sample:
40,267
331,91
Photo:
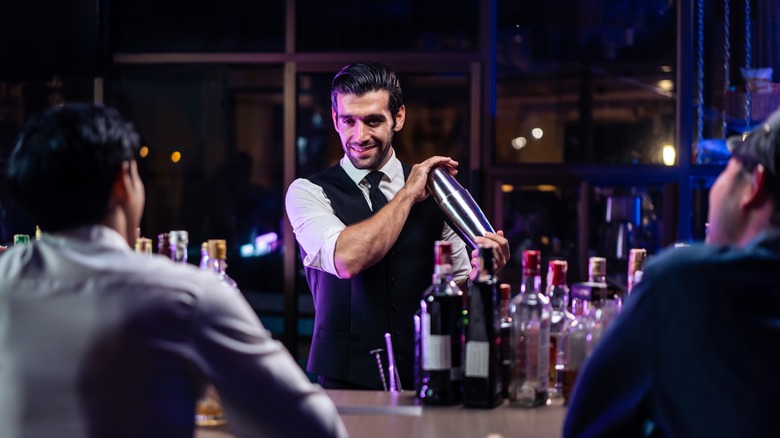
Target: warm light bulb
669,155
143,152
666,84
537,133
519,143
176,156
507,188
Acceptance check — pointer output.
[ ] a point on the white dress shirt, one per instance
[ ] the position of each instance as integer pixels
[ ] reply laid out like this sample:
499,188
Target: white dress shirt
96,338
317,228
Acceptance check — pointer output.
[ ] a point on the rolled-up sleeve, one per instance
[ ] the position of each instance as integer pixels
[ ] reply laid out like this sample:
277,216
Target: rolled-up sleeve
315,225
263,390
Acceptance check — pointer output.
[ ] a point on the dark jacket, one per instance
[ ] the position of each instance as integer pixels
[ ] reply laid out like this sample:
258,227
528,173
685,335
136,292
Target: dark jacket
695,352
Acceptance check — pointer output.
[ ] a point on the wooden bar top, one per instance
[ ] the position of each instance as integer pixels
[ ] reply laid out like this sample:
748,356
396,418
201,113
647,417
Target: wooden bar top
378,414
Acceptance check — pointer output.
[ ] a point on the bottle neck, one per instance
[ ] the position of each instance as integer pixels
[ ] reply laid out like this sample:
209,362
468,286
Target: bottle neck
219,265
532,282
559,297
442,273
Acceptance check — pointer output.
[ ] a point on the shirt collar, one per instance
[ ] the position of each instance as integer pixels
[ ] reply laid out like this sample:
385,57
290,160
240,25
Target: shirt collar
99,234
391,169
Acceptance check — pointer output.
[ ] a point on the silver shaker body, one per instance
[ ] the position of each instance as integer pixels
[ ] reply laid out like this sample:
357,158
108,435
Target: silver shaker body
462,212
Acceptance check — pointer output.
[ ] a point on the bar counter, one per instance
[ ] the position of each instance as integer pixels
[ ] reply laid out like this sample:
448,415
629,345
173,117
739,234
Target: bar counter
377,414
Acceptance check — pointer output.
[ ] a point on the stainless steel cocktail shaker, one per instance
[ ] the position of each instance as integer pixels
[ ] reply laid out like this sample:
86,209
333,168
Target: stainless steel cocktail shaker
462,212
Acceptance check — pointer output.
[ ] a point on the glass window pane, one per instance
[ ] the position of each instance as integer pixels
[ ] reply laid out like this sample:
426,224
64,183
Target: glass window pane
547,218
226,124
210,25
585,82
386,25
19,101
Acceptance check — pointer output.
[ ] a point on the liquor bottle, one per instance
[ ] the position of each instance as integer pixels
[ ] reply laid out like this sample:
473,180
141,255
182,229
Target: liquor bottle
506,328
636,262
560,319
143,245
38,233
606,304
530,338
21,239
441,339
218,260
577,349
204,256
482,361
164,245
178,241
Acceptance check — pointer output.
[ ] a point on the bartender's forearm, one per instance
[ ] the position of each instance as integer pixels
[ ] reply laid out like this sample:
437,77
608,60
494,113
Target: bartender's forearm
363,244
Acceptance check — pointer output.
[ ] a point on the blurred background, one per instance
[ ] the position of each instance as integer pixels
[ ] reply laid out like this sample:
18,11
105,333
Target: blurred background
583,127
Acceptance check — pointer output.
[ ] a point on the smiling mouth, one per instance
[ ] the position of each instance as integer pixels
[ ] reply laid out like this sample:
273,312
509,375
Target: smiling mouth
362,148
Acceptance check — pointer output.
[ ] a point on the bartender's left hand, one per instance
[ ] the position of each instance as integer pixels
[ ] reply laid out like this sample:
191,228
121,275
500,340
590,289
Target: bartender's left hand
500,246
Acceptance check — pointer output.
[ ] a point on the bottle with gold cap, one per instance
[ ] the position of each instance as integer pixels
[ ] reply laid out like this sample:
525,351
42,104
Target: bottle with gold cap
636,262
143,245
218,260
38,233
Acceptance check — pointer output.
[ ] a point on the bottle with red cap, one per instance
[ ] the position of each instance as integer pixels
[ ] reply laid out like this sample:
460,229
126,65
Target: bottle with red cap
560,319
530,338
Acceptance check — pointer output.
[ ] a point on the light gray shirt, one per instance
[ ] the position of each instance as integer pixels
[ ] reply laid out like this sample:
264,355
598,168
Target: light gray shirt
317,228
97,340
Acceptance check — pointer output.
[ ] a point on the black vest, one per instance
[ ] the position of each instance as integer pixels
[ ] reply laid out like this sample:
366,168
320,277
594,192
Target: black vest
352,316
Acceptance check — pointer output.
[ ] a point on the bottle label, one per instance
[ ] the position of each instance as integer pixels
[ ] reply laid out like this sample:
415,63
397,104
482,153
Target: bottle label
436,354
477,358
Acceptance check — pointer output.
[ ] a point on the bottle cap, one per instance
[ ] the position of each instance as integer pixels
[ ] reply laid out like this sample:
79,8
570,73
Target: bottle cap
597,266
143,245
217,249
20,239
531,260
557,269
179,237
636,259
442,253
163,244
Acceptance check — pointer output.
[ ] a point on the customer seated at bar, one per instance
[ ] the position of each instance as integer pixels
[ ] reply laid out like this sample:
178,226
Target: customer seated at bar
97,340
695,351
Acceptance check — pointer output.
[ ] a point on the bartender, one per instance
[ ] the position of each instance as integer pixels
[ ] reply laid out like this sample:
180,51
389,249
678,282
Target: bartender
366,229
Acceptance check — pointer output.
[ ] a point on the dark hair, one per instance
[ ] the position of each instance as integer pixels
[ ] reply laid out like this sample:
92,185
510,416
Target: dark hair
65,162
362,77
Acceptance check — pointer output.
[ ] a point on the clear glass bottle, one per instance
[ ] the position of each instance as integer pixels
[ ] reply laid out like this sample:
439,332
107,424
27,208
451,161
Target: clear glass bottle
636,262
218,260
605,304
38,233
482,359
505,324
164,245
204,256
208,408
441,329
576,351
561,318
530,338
178,240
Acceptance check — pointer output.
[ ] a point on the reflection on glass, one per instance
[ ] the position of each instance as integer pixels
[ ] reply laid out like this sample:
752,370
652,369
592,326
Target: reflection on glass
546,218
596,77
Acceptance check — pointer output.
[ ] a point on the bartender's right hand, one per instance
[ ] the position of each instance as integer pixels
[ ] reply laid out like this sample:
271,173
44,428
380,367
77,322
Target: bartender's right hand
418,177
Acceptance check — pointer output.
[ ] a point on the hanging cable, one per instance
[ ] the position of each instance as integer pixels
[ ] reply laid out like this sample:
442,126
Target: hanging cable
726,59
748,93
700,71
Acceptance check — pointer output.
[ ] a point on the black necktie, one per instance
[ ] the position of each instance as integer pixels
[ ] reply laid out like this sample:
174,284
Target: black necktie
378,200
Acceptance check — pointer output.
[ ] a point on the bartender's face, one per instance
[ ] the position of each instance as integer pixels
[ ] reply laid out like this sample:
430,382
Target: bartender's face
366,127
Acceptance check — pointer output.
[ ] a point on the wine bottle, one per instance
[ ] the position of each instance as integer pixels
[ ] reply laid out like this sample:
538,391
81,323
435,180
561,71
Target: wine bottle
441,334
482,361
